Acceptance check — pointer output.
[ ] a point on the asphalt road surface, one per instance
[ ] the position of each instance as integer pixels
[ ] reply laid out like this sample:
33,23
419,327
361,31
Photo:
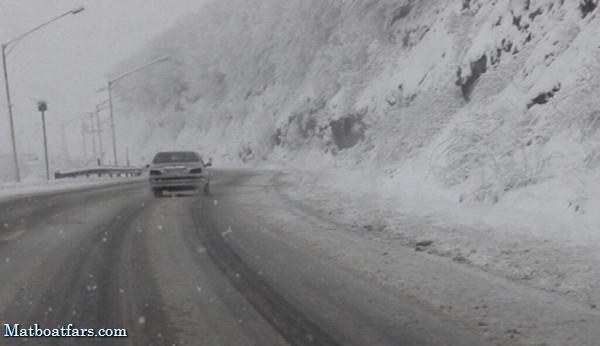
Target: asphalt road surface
223,269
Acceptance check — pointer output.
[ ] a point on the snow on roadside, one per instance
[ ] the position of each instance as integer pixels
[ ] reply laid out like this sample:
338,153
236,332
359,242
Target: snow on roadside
554,248
33,186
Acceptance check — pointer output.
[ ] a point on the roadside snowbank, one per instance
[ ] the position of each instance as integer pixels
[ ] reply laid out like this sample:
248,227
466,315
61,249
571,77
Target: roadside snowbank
529,237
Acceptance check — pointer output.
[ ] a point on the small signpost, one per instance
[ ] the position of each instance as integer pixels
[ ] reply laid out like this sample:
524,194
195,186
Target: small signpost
42,107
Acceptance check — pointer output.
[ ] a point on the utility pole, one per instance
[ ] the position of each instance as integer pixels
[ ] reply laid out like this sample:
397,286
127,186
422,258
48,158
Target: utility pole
83,130
99,126
112,122
92,131
63,137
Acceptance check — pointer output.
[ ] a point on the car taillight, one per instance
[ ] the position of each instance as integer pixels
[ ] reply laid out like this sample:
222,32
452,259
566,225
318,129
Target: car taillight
196,171
154,172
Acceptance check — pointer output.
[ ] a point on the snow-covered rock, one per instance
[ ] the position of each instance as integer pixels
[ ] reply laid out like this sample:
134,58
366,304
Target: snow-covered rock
483,97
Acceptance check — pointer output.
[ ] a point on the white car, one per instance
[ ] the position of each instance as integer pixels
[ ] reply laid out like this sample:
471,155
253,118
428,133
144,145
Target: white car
178,171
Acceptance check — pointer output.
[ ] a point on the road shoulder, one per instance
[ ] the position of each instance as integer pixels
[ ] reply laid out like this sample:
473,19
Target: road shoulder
499,300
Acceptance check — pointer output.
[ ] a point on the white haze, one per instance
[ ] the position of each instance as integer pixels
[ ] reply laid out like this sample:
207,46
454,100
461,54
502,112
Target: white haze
67,61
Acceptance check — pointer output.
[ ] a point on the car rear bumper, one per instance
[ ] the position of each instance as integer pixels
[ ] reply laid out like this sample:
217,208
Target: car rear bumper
177,182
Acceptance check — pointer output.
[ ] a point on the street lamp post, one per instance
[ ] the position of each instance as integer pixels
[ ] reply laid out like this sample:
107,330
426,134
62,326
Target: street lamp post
110,102
100,106
10,115
5,52
43,107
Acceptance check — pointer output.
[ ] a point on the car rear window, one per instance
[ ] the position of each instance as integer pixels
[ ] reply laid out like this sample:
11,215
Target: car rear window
166,157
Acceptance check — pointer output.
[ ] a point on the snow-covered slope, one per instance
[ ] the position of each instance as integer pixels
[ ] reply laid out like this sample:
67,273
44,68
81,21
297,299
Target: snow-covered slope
486,98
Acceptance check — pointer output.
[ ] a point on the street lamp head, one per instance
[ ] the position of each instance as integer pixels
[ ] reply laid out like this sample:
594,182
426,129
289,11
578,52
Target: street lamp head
77,10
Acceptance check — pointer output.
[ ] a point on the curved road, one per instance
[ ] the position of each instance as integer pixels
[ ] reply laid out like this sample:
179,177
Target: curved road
223,269
189,270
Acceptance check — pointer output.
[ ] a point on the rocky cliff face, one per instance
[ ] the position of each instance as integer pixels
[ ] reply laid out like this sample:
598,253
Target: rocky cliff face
491,96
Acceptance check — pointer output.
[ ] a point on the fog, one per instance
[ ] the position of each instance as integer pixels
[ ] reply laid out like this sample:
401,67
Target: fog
66,62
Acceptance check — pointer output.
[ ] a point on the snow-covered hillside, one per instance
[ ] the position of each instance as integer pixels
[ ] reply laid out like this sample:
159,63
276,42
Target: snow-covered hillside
484,98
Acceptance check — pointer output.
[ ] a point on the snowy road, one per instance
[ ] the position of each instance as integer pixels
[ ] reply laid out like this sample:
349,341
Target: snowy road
247,266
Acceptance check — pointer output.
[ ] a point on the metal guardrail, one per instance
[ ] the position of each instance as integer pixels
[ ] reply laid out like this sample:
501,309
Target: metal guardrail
101,171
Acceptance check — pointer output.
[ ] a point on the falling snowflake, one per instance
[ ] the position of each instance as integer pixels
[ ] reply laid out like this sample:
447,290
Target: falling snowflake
228,231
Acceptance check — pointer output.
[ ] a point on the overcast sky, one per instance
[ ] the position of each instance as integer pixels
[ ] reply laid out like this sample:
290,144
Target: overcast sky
68,60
